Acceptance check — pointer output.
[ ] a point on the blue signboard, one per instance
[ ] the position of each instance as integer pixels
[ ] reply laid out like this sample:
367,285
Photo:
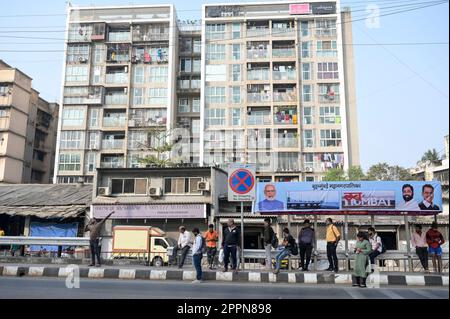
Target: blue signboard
361,197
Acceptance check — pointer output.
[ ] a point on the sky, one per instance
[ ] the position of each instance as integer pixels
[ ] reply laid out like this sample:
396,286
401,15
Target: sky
401,90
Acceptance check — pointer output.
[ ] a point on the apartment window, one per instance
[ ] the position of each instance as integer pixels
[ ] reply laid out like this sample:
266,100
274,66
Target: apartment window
138,96
99,53
183,105
72,140
307,94
215,52
196,66
136,186
307,115
329,93
97,75
215,31
157,96
69,162
185,65
215,116
306,49
236,94
306,71
236,114
186,45
236,30
197,46
134,160
304,28
93,140
4,89
73,117
138,77
158,74
330,115
76,73
330,138
216,73
90,162
94,114
288,162
137,139
215,94
326,27
195,105
327,70
308,138
326,49
195,127
236,72
77,53
236,51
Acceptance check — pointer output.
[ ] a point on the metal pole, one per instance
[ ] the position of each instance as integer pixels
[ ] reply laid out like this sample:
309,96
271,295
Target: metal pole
315,242
372,220
242,235
347,266
289,227
408,244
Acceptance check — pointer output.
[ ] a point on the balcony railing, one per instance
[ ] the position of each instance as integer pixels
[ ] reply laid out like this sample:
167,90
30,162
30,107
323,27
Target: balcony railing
329,98
283,142
112,144
114,122
258,74
117,78
283,52
150,37
283,32
257,54
116,99
261,143
118,164
282,118
258,32
285,75
259,120
314,167
285,97
258,97
119,36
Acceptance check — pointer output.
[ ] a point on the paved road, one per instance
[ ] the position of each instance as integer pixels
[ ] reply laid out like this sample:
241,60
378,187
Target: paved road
54,288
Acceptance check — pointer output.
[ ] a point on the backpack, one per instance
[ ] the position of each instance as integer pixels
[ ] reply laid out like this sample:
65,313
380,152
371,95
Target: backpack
274,242
294,249
204,249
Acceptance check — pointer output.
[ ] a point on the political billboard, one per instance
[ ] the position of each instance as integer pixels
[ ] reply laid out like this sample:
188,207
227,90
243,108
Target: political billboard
361,197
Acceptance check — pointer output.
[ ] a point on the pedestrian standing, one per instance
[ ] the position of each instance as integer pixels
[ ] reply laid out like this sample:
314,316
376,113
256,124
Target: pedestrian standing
184,244
94,228
362,251
306,240
231,242
332,237
434,241
377,246
211,237
289,246
269,237
419,241
197,254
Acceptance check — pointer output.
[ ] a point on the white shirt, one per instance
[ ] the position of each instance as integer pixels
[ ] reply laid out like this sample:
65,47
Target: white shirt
197,244
427,204
184,239
410,205
374,241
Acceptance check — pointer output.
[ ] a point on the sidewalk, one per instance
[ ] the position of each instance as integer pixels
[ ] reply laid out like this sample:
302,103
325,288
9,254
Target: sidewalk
251,276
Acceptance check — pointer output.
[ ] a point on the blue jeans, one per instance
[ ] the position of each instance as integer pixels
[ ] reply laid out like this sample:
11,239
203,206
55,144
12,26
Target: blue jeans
281,255
197,260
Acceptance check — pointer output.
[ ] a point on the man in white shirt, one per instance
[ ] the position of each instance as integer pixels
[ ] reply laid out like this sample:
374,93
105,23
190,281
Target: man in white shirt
197,254
377,246
184,244
409,203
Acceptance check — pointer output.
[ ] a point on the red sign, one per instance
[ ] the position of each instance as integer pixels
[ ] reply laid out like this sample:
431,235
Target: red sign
299,8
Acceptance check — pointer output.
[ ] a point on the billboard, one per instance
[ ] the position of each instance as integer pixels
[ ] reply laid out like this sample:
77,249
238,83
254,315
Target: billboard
363,197
323,8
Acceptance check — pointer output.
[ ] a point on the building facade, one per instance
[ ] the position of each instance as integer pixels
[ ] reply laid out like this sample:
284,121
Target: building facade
267,83
28,130
278,88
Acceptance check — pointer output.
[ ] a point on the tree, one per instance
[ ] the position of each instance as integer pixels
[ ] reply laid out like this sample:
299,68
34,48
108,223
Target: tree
385,172
432,156
354,173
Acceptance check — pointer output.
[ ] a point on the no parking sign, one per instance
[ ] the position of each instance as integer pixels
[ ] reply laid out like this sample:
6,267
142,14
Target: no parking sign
241,183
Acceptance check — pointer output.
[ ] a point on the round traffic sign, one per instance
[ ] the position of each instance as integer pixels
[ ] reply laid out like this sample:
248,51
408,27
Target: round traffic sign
241,181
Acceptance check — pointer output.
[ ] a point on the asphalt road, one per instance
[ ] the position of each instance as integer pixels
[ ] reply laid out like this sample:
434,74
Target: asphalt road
55,288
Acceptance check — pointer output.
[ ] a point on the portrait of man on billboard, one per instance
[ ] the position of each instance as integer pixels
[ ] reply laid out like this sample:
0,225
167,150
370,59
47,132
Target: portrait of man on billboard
428,197
408,196
270,203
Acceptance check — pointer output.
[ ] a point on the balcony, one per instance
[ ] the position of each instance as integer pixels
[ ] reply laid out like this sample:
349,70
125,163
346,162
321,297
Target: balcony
258,97
287,74
119,36
329,97
285,116
283,52
258,74
259,119
254,54
283,32
117,78
112,144
114,121
258,32
314,167
116,99
119,163
145,33
285,96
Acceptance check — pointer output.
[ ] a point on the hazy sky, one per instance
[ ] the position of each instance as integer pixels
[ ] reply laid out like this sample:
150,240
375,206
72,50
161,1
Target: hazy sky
402,90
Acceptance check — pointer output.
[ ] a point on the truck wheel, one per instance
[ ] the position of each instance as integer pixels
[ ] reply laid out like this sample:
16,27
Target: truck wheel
158,262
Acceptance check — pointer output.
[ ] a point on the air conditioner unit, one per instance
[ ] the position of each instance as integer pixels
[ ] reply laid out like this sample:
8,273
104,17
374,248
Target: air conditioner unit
203,186
308,169
104,191
155,191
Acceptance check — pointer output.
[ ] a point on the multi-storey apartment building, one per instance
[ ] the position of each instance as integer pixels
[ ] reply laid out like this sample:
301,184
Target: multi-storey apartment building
278,88
28,128
119,81
269,83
